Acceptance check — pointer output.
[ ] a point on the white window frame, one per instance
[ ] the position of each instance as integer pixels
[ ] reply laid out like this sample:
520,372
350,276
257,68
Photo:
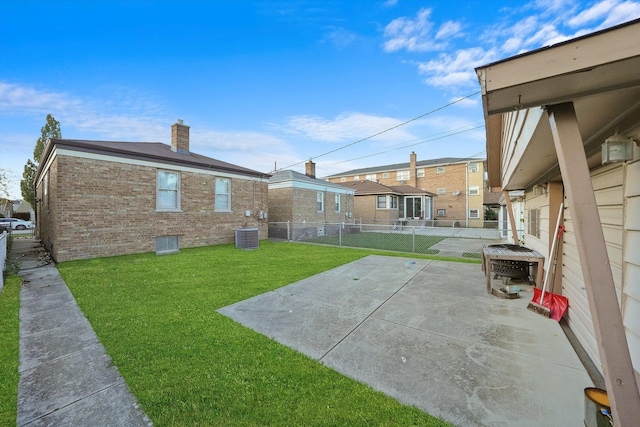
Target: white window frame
441,212
473,167
371,177
356,177
441,191
403,175
474,213
385,175
474,190
379,199
337,199
217,207
343,179
320,201
176,207
420,173
440,169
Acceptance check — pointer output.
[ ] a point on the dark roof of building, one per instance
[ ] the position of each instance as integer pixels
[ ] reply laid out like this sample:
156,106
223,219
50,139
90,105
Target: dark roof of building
150,151
367,188
491,197
291,175
400,166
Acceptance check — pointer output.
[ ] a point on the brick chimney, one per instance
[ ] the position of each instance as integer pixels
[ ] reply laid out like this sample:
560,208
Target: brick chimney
310,169
180,137
413,172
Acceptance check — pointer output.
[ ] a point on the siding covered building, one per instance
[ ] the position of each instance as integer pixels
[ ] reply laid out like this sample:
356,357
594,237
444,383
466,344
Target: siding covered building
104,198
563,125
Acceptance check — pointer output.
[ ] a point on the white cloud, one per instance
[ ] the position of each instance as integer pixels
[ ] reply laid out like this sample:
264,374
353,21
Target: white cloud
620,13
15,99
456,70
414,35
340,37
346,127
597,11
449,29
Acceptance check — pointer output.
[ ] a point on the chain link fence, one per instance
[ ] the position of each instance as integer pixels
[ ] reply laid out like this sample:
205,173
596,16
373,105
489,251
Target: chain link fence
444,238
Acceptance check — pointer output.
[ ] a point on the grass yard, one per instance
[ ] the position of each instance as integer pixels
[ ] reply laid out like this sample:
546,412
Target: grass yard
188,365
386,241
9,349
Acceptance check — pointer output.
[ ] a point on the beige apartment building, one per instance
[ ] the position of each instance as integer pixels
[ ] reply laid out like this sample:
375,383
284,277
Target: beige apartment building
458,185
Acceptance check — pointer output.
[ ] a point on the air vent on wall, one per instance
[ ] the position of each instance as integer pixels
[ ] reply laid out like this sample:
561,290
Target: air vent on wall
247,238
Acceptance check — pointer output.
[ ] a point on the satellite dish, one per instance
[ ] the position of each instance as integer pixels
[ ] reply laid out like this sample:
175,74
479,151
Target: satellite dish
456,193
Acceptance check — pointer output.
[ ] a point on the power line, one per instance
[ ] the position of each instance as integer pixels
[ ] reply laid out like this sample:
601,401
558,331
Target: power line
388,129
410,145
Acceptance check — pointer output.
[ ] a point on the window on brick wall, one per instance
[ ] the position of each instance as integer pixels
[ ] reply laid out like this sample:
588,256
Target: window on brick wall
343,179
167,245
441,191
381,202
168,191
223,195
441,212
370,177
420,173
473,167
385,175
402,176
440,169
320,201
337,198
356,177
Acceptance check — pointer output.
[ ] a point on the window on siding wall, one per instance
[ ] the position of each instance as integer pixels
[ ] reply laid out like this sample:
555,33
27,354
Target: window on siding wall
402,175
320,201
167,245
337,202
533,227
474,190
474,213
168,191
223,195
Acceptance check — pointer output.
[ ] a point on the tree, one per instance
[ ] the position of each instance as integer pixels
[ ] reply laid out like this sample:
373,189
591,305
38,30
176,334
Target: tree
51,129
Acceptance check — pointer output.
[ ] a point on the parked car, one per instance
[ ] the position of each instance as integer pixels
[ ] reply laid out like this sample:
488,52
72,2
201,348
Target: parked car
15,223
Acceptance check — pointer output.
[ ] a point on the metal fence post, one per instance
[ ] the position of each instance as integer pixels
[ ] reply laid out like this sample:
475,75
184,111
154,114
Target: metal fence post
288,232
413,229
340,235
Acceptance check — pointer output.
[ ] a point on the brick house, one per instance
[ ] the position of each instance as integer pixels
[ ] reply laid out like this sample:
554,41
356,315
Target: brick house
104,198
303,199
458,183
378,203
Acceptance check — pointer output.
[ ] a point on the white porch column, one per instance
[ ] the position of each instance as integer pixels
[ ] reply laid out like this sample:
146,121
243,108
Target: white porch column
603,303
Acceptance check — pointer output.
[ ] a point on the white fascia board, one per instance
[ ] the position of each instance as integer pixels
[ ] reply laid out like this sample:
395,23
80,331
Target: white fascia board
309,186
158,165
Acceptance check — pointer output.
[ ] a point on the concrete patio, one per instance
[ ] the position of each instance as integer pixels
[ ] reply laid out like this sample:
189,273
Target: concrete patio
427,333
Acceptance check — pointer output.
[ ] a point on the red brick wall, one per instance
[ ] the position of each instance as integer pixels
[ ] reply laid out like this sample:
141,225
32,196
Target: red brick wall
100,208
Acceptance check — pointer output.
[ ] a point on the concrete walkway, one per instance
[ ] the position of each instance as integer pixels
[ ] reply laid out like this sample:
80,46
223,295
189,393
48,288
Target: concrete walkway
66,378
428,334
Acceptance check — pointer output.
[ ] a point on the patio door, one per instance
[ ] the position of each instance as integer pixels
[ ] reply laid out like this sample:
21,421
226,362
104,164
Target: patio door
412,207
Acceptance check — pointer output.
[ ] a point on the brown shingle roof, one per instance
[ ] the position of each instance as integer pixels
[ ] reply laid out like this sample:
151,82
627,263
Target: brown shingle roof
364,188
150,151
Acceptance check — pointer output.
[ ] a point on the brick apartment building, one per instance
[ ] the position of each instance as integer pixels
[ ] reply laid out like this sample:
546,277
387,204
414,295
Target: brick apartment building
303,199
104,198
458,184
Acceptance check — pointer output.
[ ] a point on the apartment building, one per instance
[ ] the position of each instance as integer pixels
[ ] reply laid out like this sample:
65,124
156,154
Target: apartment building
458,185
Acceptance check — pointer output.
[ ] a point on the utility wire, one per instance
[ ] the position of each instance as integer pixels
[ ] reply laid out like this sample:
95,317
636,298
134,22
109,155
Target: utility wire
387,130
410,145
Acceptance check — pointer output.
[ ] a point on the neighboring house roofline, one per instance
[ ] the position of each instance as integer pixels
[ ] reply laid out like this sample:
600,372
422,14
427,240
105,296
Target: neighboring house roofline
443,161
146,151
369,188
291,178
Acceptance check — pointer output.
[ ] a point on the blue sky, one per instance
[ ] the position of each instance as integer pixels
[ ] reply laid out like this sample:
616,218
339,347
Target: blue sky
270,83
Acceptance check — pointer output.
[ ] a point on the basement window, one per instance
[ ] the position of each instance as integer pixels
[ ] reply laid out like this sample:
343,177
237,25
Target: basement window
167,245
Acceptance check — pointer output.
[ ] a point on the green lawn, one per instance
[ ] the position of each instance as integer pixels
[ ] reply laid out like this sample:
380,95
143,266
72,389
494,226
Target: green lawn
387,241
9,349
188,365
